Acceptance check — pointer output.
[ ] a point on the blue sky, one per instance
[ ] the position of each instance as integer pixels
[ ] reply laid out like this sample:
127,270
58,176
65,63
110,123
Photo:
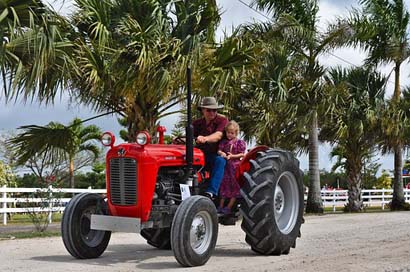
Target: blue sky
13,115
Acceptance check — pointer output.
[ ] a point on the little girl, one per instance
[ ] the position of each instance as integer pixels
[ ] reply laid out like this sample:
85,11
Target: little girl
232,149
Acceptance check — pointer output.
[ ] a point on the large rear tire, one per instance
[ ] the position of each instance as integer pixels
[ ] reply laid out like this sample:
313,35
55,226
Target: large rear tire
159,238
273,202
79,239
194,231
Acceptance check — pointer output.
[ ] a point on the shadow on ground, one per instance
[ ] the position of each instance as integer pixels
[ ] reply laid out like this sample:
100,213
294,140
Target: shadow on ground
141,255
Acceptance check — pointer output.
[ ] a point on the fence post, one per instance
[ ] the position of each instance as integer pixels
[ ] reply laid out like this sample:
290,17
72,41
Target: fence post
334,200
4,205
382,198
50,203
369,194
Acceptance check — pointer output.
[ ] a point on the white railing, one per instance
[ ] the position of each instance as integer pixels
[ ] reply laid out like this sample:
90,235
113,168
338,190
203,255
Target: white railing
371,197
13,197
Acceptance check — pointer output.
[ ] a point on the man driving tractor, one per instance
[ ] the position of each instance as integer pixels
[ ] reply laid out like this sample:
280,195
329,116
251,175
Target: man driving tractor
208,131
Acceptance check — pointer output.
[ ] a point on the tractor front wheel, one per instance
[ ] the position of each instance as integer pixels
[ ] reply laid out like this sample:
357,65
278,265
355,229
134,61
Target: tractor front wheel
194,231
79,239
273,202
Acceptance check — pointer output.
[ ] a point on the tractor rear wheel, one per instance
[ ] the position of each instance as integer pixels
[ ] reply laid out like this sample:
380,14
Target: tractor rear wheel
79,239
159,238
194,231
273,202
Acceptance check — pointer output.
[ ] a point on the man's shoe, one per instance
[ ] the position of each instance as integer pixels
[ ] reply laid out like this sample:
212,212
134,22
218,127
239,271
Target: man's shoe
208,195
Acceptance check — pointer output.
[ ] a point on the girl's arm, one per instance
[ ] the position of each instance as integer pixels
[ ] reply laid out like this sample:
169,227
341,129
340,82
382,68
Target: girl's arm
236,156
241,150
221,153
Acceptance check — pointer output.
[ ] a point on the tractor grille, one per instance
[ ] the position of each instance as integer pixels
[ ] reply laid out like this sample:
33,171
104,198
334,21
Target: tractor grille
123,181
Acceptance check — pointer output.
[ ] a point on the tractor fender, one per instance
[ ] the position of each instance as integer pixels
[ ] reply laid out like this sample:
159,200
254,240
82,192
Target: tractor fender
245,166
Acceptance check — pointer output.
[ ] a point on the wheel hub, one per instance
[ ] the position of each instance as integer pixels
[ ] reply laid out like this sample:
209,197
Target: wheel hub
286,202
198,231
89,236
279,200
201,232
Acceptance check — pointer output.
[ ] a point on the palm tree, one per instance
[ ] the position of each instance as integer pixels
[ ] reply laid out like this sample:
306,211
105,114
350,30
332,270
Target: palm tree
297,24
258,95
14,16
354,124
381,28
127,57
34,50
57,142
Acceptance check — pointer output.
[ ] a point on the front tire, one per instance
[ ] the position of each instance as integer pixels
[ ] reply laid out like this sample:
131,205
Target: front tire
194,231
273,202
79,239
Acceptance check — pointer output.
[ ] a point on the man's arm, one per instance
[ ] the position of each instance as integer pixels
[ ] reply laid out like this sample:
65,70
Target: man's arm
212,138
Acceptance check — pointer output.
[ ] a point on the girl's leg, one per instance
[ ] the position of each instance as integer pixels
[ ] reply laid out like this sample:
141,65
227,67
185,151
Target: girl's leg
231,202
221,202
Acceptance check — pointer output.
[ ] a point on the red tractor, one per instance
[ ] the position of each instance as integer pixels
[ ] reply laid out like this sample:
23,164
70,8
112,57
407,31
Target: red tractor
155,190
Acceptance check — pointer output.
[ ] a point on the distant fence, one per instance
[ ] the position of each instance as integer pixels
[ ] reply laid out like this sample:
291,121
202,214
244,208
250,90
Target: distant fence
17,200
14,200
371,197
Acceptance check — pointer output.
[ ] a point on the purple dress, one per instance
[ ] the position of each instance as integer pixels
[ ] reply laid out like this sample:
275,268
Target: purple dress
229,186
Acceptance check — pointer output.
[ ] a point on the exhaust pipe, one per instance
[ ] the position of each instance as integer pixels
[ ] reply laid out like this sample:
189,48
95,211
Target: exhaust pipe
189,128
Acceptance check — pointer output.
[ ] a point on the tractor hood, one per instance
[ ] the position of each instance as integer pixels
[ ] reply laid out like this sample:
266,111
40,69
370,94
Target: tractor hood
162,154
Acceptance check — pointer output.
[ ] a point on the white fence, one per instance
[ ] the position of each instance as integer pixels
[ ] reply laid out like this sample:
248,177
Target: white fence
13,197
371,197
15,200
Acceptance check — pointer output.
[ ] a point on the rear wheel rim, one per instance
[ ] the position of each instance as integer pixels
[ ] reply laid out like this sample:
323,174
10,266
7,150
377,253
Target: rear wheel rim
286,202
201,232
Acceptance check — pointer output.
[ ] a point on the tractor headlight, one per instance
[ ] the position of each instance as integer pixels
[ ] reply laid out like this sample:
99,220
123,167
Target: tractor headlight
108,139
143,138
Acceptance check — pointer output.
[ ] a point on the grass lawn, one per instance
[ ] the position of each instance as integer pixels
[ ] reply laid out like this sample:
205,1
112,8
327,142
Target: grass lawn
20,226
31,234
23,219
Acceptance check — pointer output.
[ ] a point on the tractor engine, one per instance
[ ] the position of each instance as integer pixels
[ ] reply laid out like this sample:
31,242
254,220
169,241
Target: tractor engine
167,190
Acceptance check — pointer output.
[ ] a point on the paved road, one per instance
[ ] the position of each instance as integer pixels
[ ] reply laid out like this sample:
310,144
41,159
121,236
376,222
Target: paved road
347,242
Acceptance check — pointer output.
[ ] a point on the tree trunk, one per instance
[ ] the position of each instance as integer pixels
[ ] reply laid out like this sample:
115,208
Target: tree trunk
141,120
314,201
398,201
354,182
71,173
397,91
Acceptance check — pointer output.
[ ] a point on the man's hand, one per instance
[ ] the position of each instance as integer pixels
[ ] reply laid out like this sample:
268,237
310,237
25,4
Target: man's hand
201,139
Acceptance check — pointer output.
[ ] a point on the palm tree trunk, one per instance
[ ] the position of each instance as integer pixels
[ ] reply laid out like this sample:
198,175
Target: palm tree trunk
398,201
314,201
355,202
397,91
71,173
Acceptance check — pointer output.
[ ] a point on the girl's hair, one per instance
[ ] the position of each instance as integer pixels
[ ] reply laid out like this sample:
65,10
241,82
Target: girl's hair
232,125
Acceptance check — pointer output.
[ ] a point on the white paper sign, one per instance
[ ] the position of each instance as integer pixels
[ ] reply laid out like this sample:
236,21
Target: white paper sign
185,192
